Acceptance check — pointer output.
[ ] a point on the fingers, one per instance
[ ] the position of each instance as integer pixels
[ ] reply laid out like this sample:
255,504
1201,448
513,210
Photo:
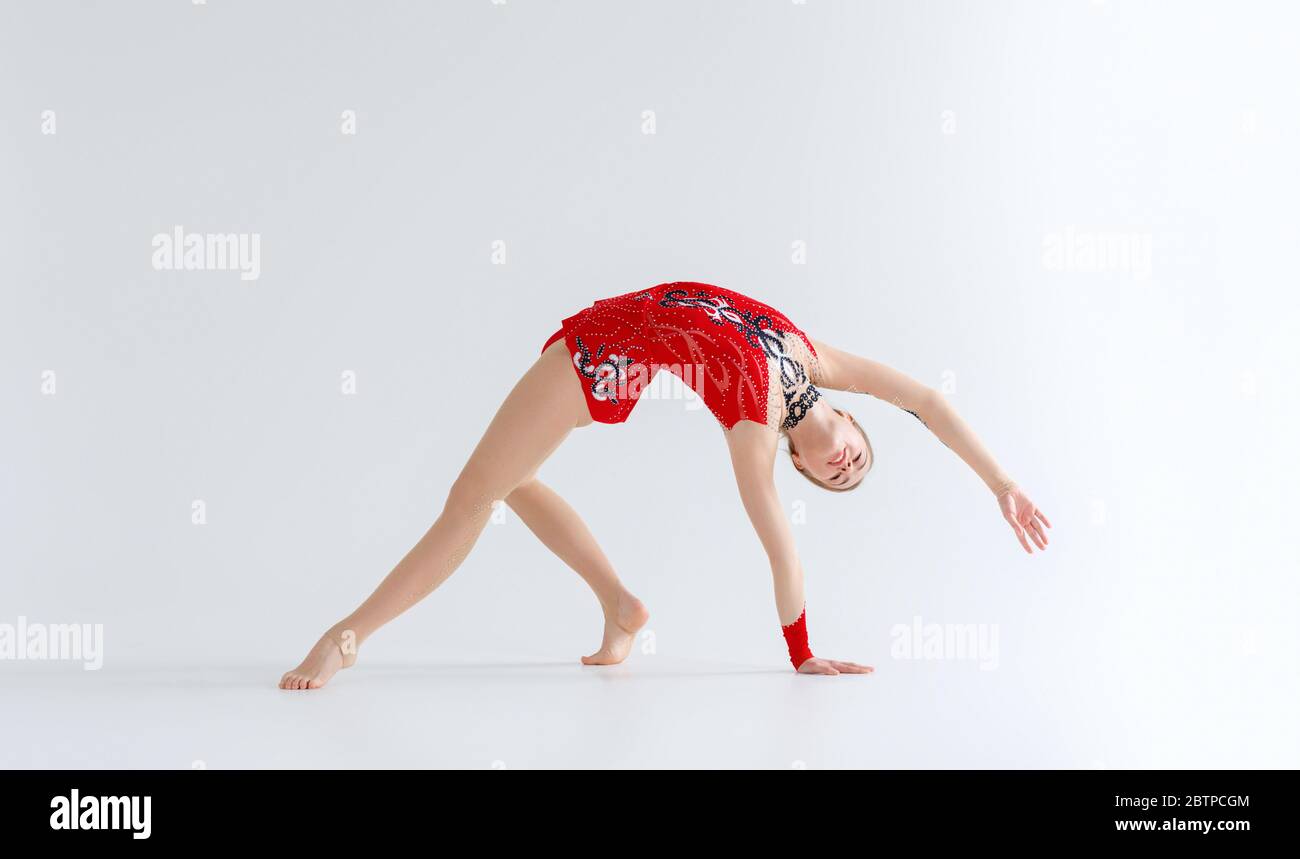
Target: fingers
851,667
1027,522
833,667
1026,516
817,666
1020,532
1038,532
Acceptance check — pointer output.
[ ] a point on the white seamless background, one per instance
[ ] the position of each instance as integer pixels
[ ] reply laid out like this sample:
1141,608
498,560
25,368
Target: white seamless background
928,153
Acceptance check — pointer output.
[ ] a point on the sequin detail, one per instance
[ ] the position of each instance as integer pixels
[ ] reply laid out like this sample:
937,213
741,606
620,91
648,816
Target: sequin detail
762,333
609,371
744,359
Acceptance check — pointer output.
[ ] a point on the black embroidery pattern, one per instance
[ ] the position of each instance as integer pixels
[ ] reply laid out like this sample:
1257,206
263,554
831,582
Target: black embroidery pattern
796,409
760,332
608,372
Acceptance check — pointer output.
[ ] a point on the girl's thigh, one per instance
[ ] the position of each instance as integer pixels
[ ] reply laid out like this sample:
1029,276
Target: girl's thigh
544,406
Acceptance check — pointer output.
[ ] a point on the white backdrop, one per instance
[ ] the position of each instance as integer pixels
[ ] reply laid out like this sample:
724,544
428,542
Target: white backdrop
924,183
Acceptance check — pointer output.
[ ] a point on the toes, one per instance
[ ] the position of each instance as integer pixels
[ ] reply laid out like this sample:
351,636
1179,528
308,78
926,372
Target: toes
297,679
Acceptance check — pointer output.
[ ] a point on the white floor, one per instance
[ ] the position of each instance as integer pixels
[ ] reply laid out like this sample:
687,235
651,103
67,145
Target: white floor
519,714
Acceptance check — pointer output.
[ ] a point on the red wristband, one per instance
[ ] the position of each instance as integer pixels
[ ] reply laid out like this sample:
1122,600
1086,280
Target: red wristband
796,640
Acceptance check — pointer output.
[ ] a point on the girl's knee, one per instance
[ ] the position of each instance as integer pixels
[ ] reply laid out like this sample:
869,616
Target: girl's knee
529,487
469,497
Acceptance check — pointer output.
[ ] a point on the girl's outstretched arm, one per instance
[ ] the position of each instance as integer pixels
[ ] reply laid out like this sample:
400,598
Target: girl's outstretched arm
753,452
844,371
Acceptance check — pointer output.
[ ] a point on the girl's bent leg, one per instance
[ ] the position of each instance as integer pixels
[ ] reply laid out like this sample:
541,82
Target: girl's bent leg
535,418
562,531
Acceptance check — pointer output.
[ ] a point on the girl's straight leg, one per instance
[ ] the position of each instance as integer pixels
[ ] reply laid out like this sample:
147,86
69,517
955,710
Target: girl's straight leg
545,405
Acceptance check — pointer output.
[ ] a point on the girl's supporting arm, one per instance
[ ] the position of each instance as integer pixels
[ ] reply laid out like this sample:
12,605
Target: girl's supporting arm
753,452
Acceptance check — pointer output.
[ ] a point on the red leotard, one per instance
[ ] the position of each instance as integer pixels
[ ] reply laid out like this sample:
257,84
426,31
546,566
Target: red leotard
745,359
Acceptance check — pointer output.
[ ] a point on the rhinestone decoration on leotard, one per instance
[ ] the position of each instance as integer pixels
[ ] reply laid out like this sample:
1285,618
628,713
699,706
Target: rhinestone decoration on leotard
746,360
797,408
609,372
761,333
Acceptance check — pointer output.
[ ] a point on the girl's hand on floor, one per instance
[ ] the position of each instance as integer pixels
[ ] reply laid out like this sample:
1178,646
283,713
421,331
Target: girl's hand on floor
832,666
1024,518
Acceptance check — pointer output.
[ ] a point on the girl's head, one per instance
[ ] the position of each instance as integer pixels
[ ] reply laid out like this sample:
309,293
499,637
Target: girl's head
829,448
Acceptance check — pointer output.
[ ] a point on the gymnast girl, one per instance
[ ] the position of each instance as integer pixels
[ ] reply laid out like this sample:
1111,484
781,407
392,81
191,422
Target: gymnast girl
759,375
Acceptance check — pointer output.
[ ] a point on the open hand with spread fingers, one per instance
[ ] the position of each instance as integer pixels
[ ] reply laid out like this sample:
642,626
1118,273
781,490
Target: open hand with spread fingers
1025,519
816,665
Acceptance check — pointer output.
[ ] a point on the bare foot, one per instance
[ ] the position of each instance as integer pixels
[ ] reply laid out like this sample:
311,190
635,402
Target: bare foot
621,626
324,661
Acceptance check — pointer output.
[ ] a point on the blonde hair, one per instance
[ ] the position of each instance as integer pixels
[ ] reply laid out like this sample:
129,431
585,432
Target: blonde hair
871,460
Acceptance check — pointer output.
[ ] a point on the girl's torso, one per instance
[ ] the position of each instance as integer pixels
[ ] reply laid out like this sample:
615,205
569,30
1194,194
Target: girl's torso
744,358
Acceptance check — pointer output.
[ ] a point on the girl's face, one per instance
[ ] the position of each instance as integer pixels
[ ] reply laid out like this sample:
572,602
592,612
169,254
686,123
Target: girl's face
835,453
